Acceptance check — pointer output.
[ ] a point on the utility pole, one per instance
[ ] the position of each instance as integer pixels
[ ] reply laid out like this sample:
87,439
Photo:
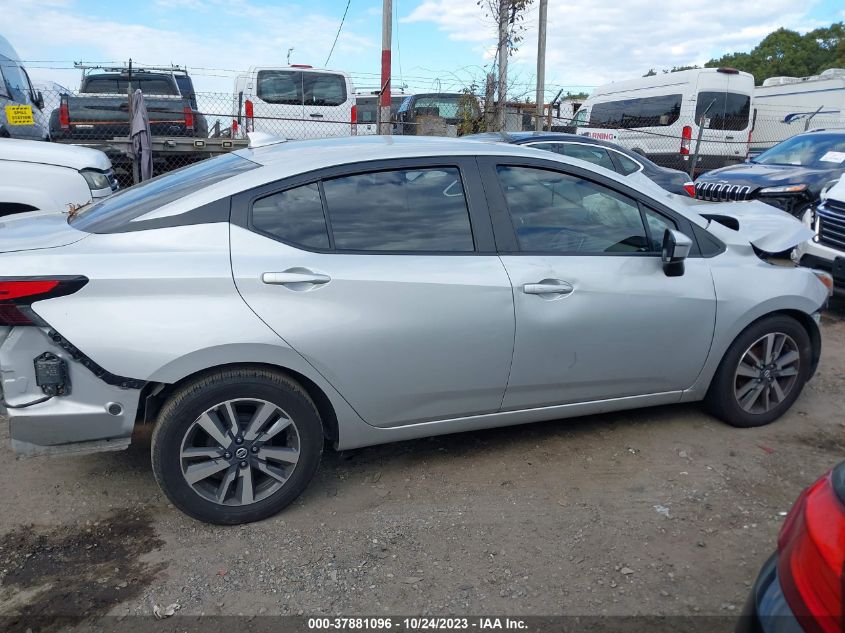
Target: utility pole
385,126
541,65
502,89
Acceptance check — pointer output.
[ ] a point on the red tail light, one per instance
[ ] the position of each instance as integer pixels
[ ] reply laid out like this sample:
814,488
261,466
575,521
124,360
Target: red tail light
354,117
17,294
249,123
189,117
64,114
686,140
689,187
234,128
811,555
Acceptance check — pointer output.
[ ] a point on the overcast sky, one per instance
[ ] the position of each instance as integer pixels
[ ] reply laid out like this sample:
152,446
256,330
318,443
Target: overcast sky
436,43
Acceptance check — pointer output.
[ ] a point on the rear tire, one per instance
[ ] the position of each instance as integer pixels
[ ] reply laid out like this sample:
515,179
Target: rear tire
762,373
236,445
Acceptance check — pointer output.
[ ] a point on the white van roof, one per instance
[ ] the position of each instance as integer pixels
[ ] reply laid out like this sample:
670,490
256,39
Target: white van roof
7,50
659,80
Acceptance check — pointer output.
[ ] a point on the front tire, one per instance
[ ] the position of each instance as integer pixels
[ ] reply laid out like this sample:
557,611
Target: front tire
762,373
237,445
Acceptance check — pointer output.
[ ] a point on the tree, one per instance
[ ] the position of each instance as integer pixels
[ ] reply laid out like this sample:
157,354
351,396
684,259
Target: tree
650,73
786,52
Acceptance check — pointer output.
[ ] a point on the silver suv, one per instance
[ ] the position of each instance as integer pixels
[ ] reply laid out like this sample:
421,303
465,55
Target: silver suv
378,289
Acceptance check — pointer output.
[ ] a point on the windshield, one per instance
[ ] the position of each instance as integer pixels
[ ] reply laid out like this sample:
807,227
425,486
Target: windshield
117,211
819,151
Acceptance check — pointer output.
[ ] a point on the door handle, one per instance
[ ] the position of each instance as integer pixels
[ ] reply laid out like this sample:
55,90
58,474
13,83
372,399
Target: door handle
549,287
316,115
294,278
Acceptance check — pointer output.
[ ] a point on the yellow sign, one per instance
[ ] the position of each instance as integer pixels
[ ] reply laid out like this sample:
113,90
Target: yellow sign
19,115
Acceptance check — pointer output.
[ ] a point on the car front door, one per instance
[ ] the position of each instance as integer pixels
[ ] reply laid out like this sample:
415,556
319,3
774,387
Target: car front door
385,278
596,316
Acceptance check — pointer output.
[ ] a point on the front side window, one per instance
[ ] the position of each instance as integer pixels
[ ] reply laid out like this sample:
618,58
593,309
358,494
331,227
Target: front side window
294,216
590,153
400,210
560,213
657,225
728,110
283,87
116,211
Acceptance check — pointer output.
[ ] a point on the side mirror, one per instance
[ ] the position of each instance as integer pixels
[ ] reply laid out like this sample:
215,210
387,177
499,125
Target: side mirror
39,100
676,248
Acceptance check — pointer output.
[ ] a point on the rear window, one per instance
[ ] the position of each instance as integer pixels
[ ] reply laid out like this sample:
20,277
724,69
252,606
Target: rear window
292,87
116,211
730,110
120,85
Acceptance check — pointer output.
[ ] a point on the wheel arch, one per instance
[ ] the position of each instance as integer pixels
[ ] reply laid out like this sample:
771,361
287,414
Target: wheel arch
155,394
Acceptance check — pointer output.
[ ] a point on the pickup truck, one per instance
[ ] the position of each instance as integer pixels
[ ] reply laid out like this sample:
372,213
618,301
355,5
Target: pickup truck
100,111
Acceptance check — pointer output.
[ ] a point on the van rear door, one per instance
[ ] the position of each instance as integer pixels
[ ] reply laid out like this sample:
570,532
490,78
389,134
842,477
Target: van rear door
327,104
724,140
276,97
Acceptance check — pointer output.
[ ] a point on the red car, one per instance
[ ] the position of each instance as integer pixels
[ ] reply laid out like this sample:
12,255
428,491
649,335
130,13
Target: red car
801,587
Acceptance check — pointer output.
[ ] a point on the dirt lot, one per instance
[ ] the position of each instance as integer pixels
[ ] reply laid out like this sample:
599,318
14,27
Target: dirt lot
656,511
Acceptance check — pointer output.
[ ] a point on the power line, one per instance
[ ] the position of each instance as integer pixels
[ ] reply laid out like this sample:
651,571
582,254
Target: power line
337,35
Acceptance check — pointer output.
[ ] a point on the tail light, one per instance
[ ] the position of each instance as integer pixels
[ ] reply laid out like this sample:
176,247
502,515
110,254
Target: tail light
234,128
811,555
17,294
249,123
64,114
189,117
686,140
689,187
354,118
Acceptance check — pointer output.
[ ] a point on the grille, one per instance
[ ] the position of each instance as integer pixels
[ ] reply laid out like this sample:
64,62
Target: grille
721,191
831,216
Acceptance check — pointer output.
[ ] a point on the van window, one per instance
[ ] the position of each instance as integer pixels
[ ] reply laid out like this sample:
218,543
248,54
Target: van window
730,110
15,84
323,89
283,87
656,111
400,210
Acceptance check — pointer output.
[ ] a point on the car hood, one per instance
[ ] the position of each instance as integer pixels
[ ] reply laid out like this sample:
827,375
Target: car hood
756,175
53,154
36,230
767,228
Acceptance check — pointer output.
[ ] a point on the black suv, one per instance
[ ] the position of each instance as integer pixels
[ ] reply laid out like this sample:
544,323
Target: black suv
791,175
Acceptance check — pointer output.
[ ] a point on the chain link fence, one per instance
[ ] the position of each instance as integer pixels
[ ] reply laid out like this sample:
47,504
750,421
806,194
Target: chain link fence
188,129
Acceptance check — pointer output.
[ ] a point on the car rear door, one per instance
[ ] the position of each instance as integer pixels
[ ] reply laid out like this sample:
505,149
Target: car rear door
596,317
384,276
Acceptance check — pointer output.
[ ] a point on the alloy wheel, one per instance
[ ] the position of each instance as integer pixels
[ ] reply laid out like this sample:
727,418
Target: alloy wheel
767,372
240,452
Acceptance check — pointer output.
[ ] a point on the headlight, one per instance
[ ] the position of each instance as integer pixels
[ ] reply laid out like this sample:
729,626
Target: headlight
783,189
95,179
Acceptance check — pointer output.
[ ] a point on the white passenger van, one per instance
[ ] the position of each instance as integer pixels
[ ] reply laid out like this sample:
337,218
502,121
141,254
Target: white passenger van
295,102
659,116
786,106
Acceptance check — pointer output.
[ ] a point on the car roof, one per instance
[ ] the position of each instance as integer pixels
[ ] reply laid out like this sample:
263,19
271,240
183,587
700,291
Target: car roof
291,158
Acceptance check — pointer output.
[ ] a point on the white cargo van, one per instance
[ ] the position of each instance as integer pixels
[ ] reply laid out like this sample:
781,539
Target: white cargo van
21,107
659,116
295,102
786,106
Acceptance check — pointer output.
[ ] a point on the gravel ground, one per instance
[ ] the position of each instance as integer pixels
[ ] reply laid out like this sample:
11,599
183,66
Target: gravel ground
660,511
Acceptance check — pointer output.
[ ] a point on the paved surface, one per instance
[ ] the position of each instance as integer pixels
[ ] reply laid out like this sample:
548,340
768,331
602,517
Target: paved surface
656,511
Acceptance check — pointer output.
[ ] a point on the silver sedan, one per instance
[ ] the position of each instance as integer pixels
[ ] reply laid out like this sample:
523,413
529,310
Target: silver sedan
369,290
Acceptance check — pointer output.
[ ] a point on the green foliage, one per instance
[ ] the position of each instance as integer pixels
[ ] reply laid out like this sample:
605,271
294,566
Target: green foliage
789,53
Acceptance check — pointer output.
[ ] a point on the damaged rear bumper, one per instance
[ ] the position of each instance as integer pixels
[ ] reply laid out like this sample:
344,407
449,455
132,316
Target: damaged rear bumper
95,416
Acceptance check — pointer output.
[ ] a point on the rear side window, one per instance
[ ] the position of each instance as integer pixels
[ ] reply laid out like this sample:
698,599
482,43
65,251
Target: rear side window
655,111
423,210
282,87
590,153
626,165
294,216
112,213
730,110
